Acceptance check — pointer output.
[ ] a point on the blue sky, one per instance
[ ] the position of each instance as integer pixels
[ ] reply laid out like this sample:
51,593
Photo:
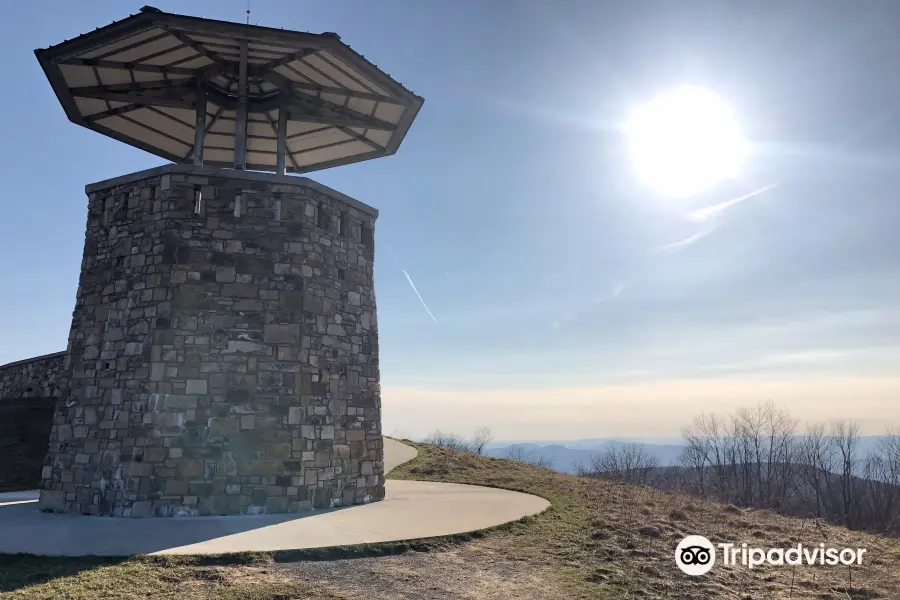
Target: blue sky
550,272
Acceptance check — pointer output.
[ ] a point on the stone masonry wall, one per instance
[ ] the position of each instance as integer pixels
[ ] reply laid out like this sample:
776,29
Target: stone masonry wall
24,427
32,378
223,355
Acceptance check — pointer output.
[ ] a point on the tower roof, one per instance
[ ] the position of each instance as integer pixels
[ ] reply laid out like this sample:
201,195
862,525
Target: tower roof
154,79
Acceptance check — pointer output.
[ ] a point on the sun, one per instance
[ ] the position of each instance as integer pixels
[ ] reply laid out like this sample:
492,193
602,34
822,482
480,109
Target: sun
685,141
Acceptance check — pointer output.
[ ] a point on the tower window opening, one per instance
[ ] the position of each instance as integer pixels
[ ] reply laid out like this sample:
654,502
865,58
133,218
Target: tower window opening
198,201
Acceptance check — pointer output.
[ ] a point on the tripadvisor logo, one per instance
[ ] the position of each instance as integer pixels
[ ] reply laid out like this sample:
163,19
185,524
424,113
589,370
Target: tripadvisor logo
696,555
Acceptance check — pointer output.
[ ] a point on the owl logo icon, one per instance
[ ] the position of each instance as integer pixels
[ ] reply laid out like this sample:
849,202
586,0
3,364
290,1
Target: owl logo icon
695,555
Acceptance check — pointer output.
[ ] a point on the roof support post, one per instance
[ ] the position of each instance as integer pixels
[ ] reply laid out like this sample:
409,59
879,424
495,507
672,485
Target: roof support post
281,147
240,127
200,125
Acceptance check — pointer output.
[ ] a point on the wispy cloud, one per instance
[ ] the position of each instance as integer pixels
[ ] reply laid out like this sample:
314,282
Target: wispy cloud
615,291
786,359
710,215
711,212
425,306
691,239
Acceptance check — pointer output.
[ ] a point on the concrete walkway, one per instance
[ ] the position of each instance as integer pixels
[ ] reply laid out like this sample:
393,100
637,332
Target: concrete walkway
410,510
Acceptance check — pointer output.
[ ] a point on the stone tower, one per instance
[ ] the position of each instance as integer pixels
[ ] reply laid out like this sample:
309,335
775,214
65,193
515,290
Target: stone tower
223,354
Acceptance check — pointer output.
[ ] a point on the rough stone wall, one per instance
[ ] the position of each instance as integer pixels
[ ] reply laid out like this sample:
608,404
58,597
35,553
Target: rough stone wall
223,355
32,378
24,427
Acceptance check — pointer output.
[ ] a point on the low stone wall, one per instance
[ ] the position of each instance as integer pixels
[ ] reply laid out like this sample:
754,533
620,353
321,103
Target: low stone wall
36,377
24,433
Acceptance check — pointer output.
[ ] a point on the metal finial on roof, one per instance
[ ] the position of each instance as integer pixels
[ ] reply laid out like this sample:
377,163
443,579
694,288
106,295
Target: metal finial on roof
248,12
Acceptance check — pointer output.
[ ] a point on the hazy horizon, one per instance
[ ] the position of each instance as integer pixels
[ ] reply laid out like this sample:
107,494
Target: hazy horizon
633,411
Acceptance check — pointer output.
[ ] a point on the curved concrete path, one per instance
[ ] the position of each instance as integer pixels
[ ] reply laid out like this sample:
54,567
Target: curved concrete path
410,510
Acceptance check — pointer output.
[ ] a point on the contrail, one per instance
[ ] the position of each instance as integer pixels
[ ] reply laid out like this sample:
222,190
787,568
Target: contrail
425,306
687,241
713,211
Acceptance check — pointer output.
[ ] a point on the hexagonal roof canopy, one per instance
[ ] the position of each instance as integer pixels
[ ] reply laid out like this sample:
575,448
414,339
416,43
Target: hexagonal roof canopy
166,83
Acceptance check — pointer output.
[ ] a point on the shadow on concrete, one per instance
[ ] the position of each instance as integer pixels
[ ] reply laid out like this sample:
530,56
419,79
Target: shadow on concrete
25,529
24,569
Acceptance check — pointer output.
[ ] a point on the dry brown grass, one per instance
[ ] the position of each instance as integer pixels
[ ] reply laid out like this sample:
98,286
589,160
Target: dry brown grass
253,577
611,540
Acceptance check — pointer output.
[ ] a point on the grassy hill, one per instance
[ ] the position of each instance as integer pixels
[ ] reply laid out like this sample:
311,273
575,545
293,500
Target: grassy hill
599,540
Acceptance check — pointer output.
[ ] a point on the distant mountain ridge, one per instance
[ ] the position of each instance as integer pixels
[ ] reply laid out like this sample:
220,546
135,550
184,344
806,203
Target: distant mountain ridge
566,455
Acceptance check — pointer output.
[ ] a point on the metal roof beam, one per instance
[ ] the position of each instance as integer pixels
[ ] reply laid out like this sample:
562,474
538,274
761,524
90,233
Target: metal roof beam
161,84
221,98
286,59
155,99
196,46
130,66
297,113
133,45
347,116
311,87
281,81
121,110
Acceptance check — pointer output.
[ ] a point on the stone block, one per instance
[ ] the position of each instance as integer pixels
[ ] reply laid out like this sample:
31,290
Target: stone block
260,467
225,274
155,455
175,487
190,467
282,334
223,426
52,501
279,450
142,508
296,415
240,290
290,301
195,386
322,498
277,504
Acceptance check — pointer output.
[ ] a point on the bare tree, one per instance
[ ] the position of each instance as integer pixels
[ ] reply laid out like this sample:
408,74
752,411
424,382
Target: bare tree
629,463
817,460
695,459
519,454
756,458
480,440
477,445
448,440
710,450
846,439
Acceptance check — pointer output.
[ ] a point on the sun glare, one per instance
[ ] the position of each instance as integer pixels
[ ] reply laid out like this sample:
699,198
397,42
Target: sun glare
685,141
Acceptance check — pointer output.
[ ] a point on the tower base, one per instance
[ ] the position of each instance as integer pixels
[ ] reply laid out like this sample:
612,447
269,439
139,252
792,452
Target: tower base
223,355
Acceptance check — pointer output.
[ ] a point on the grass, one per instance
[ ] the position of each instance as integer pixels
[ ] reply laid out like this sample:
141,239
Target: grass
609,540
599,540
